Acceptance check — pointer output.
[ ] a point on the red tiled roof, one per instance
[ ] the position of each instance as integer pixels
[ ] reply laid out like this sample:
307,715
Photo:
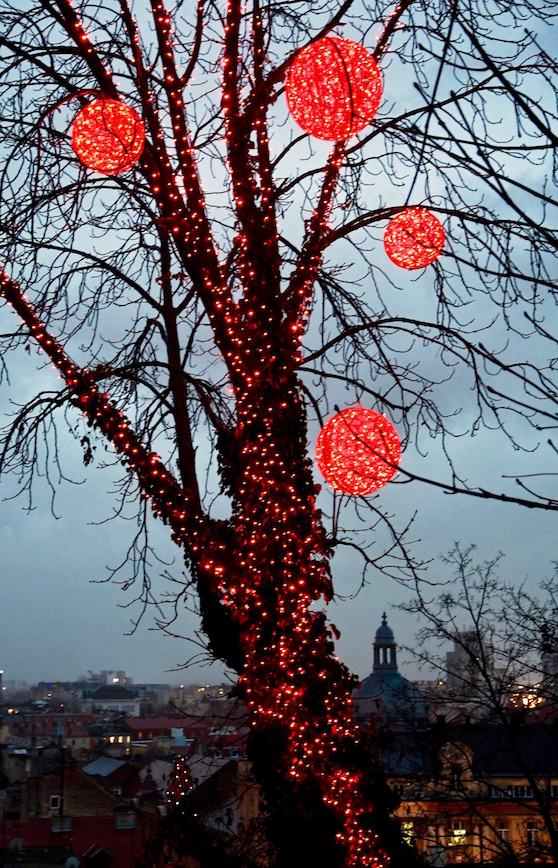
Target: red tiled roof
48,724
85,833
76,732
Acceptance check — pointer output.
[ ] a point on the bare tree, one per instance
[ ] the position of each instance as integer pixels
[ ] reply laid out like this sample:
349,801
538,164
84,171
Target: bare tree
200,306
497,685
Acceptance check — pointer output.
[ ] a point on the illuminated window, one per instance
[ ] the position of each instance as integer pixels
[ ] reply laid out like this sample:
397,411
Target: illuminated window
120,739
407,832
112,739
458,834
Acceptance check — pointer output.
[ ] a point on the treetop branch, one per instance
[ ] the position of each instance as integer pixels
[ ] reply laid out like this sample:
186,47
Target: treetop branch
169,501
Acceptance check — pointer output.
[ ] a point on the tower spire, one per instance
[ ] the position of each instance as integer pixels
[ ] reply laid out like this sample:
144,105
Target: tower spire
385,648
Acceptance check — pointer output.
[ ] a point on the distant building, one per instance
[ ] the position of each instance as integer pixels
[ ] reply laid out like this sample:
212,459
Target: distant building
470,662
473,789
385,694
467,792
114,698
549,663
109,676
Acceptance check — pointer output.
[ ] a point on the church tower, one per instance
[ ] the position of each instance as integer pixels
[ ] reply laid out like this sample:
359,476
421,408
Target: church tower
385,649
385,694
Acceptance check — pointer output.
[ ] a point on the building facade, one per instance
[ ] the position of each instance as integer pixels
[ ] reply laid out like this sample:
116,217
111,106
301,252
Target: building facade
472,791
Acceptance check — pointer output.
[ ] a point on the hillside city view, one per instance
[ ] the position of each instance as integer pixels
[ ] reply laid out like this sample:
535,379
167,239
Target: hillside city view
278,411
89,769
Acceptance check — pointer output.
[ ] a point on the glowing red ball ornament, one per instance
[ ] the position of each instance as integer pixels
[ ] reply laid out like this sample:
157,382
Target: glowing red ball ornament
108,136
358,451
333,88
414,239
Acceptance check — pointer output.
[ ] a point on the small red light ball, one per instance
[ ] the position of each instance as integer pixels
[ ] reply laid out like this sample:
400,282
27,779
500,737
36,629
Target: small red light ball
333,88
358,451
108,136
414,239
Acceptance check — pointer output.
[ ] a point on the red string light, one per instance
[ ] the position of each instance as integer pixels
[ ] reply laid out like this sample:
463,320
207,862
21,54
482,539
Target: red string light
270,561
108,136
180,783
169,502
414,239
333,88
358,451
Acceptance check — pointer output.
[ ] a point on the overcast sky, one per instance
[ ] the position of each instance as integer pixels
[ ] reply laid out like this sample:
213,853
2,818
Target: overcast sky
58,619
56,622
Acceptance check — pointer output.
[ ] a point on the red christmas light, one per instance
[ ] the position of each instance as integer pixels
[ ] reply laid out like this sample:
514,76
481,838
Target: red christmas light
357,451
334,88
414,239
179,784
108,136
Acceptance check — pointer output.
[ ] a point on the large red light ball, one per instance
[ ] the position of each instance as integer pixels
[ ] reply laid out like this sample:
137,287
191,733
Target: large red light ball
333,88
358,451
108,136
414,239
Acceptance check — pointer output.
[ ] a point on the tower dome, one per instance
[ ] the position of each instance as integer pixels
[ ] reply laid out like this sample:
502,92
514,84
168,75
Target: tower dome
385,693
385,649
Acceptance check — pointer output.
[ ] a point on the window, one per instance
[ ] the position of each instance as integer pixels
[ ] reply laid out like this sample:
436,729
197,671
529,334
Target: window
532,835
60,824
407,832
521,792
458,833
554,791
504,832
55,803
125,820
456,778
14,797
